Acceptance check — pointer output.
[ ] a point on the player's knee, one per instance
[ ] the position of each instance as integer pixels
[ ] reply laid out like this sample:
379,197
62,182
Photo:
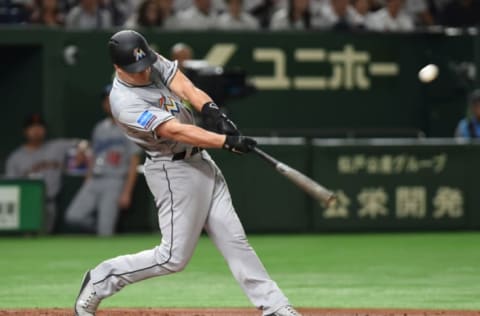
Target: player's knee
178,265
174,261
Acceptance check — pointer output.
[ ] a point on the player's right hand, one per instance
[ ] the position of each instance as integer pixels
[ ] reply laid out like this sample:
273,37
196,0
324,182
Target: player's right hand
239,144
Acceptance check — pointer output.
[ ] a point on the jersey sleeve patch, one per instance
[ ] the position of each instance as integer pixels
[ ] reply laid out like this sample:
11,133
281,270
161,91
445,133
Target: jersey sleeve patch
146,119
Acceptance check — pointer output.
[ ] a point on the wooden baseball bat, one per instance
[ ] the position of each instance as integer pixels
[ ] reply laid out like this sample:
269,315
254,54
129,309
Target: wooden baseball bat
317,191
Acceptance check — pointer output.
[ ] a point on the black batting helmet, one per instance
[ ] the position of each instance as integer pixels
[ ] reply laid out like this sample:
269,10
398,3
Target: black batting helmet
130,51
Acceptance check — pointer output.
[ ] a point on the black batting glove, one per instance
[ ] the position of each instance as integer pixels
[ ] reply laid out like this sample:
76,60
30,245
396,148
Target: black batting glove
216,121
239,144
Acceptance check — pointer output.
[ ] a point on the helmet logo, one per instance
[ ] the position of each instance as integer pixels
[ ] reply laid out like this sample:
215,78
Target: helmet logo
139,54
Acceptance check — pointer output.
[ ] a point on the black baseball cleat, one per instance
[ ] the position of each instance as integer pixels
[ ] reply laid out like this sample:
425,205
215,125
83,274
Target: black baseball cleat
286,311
87,300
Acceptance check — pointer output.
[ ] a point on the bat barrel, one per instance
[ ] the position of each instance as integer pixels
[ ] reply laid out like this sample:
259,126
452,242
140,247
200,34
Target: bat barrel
318,192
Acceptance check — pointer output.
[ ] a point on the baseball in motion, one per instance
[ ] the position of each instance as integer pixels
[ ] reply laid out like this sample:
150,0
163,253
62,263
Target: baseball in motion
428,73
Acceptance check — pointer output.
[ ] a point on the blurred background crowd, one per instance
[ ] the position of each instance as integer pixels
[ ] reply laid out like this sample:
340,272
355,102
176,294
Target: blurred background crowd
351,15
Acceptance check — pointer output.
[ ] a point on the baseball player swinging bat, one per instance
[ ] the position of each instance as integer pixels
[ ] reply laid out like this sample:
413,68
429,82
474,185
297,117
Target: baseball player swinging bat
148,102
317,191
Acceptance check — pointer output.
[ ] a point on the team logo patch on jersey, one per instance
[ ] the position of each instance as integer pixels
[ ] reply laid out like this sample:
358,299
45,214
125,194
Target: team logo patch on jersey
139,54
146,119
172,106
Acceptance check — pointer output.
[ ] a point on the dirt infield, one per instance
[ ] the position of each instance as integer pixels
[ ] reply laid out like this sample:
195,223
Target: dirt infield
239,312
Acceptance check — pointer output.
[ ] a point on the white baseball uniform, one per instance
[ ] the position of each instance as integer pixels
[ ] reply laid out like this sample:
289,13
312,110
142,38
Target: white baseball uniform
191,195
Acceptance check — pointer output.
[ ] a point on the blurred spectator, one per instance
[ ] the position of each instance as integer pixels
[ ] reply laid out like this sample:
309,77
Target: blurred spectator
180,5
217,5
317,5
336,15
461,13
26,3
149,15
469,127
376,5
419,12
67,5
392,18
181,52
13,11
359,12
262,10
47,12
167,11
249,5
88,15
40,159
199,16
296,16
121,10
236,19
436,7
109,184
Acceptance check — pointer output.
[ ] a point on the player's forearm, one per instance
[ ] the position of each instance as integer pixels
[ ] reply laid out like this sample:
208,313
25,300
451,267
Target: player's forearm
197,98
192,135
185,89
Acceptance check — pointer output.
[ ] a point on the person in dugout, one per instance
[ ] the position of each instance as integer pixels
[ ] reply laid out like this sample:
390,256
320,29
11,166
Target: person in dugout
110,181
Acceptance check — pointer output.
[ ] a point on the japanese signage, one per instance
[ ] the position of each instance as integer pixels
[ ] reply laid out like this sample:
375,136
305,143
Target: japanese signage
350,68
390,186
390,164
339,83
409,202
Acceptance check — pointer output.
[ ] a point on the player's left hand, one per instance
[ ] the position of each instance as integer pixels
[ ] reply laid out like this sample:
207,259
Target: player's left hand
124,200
216,121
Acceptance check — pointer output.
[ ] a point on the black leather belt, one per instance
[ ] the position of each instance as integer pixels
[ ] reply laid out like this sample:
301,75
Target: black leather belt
183,154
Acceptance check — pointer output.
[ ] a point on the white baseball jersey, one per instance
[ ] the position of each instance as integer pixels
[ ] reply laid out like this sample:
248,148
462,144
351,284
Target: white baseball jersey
140,109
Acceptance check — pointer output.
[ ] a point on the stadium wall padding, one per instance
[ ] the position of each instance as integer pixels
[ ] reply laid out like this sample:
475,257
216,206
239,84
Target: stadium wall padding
388,187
